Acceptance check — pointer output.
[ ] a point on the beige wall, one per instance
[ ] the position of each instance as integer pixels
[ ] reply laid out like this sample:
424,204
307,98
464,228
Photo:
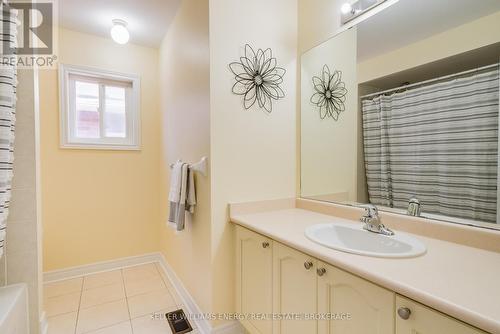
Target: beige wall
318,20
99,205
253,152
470,36
185,108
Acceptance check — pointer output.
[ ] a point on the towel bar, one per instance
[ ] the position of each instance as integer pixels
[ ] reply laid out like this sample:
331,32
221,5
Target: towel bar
200,166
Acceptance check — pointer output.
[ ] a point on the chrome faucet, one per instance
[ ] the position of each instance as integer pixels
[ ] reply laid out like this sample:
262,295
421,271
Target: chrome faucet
372,221
414,207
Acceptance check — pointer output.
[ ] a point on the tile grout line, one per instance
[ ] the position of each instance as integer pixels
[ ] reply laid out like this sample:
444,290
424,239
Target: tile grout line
104,302
104,327
62,294
100,328
116,300
163,280
158,273
60,314
126,300
166,287
165,284
81,289
79,303
78,313
100,286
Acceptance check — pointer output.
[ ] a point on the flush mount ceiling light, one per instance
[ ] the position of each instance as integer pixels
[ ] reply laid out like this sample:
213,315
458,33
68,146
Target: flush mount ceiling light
119,32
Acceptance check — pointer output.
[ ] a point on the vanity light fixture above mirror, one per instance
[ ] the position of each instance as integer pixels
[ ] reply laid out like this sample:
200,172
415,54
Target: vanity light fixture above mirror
346,9
353,9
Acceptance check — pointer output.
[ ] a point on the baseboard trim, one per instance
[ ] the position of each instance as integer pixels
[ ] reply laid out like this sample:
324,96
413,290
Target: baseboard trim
233,327
94,268
203,325
193,308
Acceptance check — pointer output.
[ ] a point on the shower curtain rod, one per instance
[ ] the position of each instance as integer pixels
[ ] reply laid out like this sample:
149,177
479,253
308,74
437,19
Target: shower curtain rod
431,80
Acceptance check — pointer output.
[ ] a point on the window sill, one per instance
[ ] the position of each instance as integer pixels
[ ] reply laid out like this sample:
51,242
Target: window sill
105,147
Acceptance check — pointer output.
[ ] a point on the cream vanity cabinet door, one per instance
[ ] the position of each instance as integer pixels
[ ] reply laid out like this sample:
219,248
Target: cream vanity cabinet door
254,279
414,318
294,290
370,307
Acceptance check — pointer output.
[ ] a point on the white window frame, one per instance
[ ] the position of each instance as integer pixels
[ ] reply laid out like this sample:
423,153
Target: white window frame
133,112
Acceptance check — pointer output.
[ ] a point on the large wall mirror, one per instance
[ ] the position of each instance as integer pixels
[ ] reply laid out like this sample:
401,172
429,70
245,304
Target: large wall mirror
401,111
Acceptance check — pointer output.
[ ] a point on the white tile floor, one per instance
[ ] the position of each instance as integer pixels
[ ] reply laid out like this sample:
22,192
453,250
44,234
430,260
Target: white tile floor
115,302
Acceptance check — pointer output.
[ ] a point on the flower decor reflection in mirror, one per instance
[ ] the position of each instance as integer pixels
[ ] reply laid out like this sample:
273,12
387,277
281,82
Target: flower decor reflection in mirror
329,93
258,78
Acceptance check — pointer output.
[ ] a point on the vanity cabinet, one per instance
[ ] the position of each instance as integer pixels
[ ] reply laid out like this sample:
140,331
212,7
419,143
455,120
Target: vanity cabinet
308,287
359,306
417,318
275,279
294,290
254,261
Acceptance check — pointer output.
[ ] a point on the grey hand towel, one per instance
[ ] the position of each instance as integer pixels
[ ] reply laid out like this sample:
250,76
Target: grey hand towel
178,203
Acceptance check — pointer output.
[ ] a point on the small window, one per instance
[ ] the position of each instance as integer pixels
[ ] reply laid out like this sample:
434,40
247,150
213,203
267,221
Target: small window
99,109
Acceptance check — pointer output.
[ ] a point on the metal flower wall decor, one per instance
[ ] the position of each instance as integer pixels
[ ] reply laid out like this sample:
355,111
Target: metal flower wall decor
330,93
258,78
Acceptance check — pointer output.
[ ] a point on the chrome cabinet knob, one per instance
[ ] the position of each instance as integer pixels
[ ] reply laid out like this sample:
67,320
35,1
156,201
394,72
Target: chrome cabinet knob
265,244
321,271
308,265
404,313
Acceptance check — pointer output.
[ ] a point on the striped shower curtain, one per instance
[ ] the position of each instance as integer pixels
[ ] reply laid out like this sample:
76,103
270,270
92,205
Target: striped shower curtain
8,82
438,143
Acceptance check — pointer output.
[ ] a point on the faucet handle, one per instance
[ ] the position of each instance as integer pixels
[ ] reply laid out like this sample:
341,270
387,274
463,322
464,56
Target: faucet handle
371,210
414,207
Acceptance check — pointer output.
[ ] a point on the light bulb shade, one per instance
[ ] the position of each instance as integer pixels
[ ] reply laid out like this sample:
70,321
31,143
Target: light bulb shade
119,32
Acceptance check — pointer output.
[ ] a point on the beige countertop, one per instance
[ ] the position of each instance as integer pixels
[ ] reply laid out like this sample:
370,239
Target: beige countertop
458,280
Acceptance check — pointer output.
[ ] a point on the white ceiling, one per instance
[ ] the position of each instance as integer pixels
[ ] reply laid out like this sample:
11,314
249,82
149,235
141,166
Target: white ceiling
148,20
409,21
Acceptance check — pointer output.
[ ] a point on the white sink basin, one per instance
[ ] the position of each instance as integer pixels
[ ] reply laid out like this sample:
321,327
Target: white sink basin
354,239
